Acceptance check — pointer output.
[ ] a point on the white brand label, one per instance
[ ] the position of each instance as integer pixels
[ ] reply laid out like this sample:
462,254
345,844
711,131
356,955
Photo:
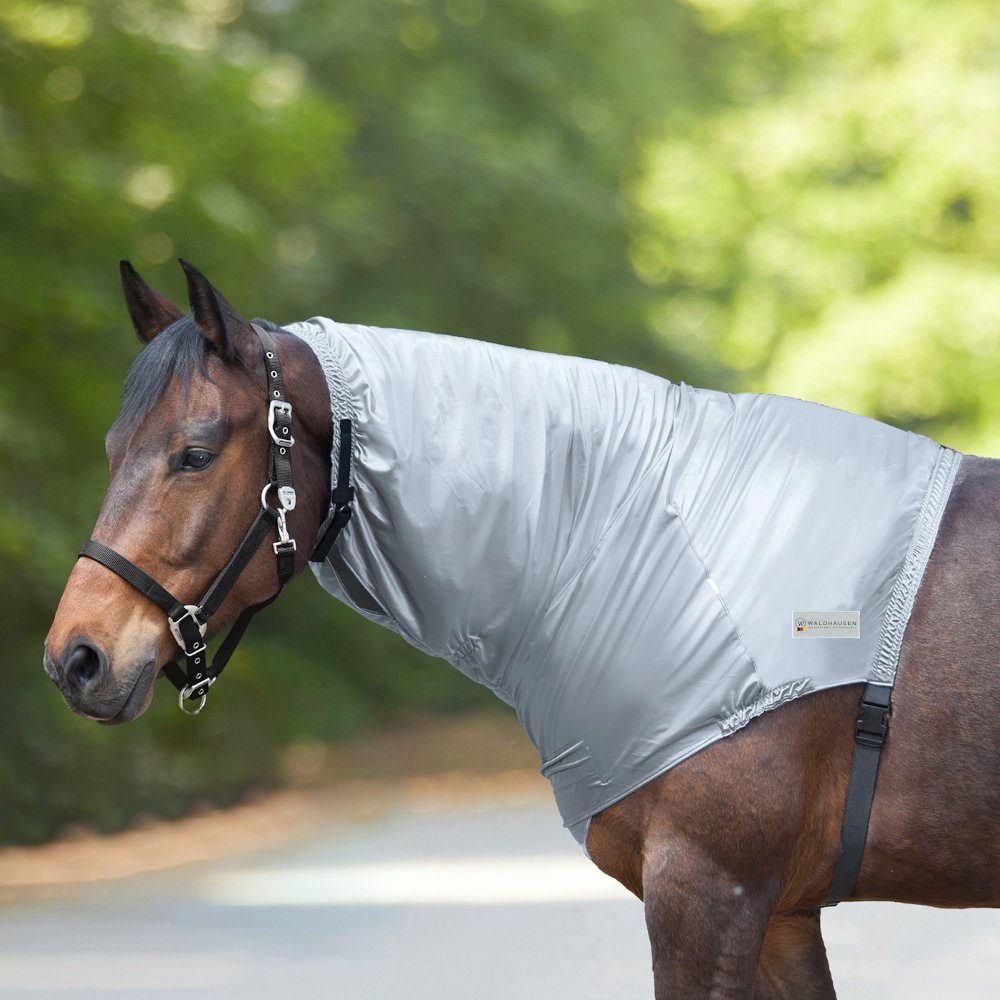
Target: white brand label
827,624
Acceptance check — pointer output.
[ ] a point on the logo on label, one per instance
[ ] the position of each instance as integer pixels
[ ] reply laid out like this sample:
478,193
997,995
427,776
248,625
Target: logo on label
827,624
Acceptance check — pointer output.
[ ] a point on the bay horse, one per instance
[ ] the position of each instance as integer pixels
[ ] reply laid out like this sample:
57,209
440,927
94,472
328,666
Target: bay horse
732,850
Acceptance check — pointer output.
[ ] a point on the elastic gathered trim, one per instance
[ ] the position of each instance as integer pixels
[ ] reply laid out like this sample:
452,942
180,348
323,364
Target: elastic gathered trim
904,593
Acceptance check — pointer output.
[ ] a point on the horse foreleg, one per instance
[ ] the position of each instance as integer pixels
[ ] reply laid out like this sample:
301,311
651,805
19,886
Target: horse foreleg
706,929
793,963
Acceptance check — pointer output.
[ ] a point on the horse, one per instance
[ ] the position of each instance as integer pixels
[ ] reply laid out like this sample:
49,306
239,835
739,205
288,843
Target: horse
732,851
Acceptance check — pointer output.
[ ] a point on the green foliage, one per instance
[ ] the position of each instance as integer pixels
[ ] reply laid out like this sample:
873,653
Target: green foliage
784,195
831,229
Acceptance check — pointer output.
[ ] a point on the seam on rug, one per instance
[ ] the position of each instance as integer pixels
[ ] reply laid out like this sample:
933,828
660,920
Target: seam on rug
772,699
672,508
904,592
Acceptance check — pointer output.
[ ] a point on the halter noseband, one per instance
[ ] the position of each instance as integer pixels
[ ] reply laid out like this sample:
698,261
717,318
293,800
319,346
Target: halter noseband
189,622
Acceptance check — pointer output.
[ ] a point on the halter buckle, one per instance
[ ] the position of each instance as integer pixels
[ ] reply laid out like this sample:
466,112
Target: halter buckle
190,611
283,409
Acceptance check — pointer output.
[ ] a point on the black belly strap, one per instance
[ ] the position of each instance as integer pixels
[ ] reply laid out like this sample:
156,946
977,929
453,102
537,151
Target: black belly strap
870,733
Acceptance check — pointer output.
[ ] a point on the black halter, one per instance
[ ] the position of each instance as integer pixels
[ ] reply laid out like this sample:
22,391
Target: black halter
189,622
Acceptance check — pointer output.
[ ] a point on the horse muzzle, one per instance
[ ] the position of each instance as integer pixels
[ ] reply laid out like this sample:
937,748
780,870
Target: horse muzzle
90,688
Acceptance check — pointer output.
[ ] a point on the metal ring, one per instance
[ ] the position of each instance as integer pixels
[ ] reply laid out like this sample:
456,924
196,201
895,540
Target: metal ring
188,711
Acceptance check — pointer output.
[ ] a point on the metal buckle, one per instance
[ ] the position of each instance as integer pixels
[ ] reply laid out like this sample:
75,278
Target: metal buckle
282,408
182,696
175,627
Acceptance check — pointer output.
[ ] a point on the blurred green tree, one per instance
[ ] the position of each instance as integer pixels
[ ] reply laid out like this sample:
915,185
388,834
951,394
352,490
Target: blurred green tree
831,228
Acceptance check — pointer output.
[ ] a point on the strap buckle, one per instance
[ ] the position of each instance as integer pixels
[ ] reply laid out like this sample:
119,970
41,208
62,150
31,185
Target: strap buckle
342,495
280,408
190,611
872,726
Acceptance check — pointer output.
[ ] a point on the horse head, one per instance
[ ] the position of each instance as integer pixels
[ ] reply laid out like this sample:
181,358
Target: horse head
188,455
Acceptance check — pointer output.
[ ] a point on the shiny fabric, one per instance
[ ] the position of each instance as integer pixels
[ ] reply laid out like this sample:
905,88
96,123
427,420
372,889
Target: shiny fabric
618,557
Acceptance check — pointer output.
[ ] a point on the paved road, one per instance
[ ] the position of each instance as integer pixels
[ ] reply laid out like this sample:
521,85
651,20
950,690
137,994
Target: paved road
483,904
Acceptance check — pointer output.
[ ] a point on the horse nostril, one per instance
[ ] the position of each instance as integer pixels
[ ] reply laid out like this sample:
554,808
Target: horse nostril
83,665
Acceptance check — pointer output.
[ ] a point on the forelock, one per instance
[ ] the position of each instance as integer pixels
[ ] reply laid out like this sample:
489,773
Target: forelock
178,352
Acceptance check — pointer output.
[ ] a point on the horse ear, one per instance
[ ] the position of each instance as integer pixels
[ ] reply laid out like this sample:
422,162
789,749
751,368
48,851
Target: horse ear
221,324
151,312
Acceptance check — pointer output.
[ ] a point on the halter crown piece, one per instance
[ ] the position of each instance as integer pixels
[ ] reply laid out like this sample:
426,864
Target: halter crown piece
189,622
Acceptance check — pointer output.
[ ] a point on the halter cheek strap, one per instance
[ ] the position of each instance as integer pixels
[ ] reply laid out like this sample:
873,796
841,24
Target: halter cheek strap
189,622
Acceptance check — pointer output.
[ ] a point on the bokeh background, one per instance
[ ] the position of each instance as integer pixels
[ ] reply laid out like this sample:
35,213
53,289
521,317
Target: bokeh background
777,195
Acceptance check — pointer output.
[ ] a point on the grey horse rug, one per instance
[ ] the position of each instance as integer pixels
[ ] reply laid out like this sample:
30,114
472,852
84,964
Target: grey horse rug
639,568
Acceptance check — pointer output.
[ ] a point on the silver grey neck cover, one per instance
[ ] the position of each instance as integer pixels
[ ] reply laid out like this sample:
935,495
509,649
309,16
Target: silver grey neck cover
639,568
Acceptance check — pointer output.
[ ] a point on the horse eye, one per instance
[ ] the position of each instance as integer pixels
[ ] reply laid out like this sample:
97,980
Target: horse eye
196,459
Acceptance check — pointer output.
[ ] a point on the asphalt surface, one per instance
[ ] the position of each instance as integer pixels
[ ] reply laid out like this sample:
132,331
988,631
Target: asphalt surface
485,904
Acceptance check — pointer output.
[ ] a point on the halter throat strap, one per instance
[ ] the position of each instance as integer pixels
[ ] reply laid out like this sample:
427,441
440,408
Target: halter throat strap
189,622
